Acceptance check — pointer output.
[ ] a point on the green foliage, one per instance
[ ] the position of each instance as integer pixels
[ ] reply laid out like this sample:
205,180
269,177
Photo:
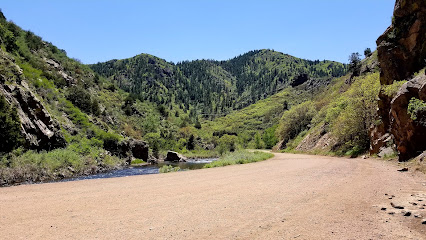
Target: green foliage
83,100
391,90
295,120
137,162
239,157
191,142
76,116
155,141
355,63
168,169
352,114
34,42
227,143
258,144
10,127
269,137
416,108
367,52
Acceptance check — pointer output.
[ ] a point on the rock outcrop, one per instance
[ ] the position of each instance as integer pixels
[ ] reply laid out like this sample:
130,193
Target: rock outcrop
39,129
129,148
409,134
401,53
174,157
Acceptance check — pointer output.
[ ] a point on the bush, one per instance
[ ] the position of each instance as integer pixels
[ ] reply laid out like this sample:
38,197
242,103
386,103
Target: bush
154,140
269,137
10,127
295,120
168,168
391,90
367,52
227,143
351,115
80,98
415,108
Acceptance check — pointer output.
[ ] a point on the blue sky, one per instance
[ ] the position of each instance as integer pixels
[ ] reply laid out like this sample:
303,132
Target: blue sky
101,30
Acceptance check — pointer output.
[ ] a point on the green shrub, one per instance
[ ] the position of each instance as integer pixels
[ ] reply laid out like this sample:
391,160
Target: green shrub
416,107
227,143
75,114
258,143
269,137
295,121
168,168
80,98
391,90
10,127
352,114
137,161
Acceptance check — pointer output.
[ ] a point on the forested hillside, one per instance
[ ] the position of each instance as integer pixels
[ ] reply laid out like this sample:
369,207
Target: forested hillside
215,87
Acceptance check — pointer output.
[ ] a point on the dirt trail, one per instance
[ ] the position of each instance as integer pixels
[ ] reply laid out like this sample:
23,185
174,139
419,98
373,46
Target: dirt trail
287,197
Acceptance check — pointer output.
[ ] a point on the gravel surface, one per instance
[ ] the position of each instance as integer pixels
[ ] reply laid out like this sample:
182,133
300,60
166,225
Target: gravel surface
287,197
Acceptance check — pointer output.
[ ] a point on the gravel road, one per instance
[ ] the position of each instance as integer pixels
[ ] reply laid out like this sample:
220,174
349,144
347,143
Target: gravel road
287,197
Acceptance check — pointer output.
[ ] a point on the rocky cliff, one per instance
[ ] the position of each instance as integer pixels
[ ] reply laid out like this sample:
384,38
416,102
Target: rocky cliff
38,128
402,52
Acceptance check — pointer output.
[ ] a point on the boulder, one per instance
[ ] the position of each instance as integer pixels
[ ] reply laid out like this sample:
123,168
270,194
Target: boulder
175,157
130,148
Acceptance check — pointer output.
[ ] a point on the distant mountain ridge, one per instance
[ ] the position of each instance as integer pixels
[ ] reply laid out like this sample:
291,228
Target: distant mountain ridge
214,86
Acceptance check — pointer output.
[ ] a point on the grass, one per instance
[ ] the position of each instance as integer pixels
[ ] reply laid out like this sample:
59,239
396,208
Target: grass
137,161
168,168
239,157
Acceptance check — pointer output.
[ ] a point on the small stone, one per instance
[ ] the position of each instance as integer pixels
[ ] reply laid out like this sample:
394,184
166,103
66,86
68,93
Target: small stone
383,209
406,213
403,170
417,215
424,221
391,213
413,203
397,205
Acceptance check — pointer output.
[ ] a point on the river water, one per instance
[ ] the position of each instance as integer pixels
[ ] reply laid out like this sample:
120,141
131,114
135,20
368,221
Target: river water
191,164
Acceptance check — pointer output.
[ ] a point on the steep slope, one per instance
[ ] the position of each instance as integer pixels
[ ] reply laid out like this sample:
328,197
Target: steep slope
213,87
69,117
335,120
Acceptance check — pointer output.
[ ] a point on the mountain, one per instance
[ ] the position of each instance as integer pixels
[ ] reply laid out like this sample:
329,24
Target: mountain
214,87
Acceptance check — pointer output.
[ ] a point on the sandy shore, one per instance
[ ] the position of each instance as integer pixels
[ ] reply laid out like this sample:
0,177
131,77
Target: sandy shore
287,197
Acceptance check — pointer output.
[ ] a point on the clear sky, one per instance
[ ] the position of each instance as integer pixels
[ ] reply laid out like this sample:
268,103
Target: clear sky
176,30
